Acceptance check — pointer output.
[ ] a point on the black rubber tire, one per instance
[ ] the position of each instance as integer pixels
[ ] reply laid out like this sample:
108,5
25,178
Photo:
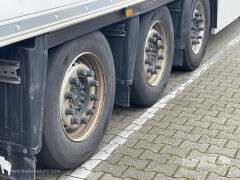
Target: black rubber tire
192,61
58,151
142,94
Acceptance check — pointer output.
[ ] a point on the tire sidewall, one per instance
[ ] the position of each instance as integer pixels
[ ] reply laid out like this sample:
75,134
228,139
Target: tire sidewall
192,60
140,82
64,150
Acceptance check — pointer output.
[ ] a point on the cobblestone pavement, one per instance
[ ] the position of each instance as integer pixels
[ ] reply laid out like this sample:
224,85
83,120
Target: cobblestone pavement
195,136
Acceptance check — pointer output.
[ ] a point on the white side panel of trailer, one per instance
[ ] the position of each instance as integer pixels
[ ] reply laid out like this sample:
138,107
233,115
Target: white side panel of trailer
228,11
23,19
17,8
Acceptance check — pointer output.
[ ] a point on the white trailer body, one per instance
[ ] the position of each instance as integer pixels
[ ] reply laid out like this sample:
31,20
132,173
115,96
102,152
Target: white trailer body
20,20
227,12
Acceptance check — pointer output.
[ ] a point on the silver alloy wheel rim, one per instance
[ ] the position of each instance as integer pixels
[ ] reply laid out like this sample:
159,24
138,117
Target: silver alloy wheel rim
81,96
155,54
198,28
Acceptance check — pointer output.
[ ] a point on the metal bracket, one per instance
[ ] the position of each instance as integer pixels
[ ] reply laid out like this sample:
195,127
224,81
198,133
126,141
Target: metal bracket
175,6
117,29
8,71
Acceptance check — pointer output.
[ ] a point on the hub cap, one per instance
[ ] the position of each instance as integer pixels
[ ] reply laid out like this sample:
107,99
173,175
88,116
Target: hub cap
197,28
81,97
155,55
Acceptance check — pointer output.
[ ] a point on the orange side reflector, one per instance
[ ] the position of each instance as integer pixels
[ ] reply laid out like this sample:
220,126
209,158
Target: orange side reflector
129,12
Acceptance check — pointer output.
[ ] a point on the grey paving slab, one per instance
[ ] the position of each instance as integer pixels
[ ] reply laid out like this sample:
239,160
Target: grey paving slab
193,135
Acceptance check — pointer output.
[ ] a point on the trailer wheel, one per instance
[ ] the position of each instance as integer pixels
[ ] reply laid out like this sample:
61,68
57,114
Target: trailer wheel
79,101
198,33
154,57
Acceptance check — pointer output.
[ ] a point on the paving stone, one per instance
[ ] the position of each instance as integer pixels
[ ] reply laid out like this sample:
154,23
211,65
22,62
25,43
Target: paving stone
203,131
214,176
158,124
161,176
233,144
175,151
190,116
190,137
234,173
147,137
211,119
191,145
222,151
135,174
95,176
109,177
158,157
128,151
115,170
214,141
190,174
164,140
171,119
157,131
132,162
163,168
154,147
216,126
201,124
230,136
184,128
114,158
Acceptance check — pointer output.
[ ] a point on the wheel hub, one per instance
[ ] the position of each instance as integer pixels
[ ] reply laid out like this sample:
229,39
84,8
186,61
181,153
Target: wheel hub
197,28
79,99
155,54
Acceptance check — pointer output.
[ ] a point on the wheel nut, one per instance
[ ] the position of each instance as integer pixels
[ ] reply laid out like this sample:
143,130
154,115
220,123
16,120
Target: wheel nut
152,40
94,83
84,120
155,72
70,112
90,73
94,97
82,72
161,46
150,70
195,19
197,14
160,57
79,121
69,96
148,62
194,42
193,37
193,28
158,67
75,121
74,81
158,36
148,49
90,111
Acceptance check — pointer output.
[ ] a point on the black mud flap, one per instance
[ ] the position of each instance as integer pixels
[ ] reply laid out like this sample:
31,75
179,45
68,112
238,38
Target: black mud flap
22,85
16,165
